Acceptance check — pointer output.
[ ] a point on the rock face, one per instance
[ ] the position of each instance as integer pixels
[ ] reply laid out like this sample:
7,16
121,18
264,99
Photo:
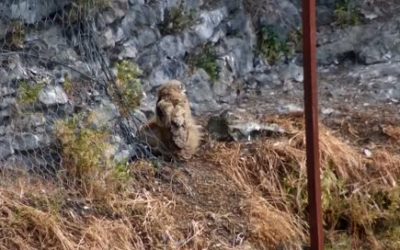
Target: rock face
53,95
239,126
30,11
211,46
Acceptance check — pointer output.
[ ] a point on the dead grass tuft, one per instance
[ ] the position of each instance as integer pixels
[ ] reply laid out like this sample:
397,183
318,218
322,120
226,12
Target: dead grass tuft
355,188
36,215
271,228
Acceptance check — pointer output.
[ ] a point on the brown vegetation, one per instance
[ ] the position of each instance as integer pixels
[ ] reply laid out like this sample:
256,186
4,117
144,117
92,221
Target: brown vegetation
233,196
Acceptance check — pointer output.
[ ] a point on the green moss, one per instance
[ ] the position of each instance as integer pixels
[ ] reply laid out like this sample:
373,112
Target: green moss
346,14
15,37
29,93
272,47
176,20
206,59
121,171
127,91
295,41
68,86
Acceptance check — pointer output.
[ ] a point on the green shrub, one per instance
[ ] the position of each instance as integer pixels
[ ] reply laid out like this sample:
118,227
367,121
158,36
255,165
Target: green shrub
87,155
206,59
127,91
176,20
272,47
83,149
29,93
68,85
346,14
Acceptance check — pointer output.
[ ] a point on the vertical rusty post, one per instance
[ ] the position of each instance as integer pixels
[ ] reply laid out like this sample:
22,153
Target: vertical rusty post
311,119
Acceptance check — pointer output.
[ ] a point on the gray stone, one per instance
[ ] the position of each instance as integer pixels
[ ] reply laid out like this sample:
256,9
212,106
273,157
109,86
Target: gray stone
109,37
123,156
222,87
5,91
198,88
168,70
251,130
218,128
380,49
3,29
291,72
4,78
30,11
172,46
5,149
28,122
104,115
129,50
282,15
4,130
116,11
239,126
146,37
371,43
106,39
325,15
289,108
15,68
209,22
27,163
141,16
28,141
133,2
238,54
5,113
7,102
53,95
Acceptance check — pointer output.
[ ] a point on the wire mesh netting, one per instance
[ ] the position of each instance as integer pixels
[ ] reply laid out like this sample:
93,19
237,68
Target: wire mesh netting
63,101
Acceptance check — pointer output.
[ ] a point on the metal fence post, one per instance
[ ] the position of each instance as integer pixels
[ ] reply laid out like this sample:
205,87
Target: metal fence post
311,121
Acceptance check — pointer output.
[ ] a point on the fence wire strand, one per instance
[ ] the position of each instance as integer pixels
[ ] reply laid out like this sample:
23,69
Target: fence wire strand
55,76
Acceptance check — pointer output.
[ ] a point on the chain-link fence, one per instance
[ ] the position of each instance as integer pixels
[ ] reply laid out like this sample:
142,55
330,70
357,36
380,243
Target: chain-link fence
63,101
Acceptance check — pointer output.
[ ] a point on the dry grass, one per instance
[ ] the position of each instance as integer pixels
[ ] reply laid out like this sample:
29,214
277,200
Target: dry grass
37,214
234,196
271,228
357,191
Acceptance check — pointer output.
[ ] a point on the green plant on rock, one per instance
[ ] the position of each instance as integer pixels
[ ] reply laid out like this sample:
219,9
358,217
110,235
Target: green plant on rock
80,9
121,171
87,155
207,60
127,90
346,14
29,93
176,20
271,46
15,36
295,41
68,85
84,150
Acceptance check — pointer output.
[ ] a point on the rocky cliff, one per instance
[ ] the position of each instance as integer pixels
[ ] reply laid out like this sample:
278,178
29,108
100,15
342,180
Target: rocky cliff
60,59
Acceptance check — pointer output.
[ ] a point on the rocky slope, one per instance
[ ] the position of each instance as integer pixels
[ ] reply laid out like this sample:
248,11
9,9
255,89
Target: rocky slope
58,58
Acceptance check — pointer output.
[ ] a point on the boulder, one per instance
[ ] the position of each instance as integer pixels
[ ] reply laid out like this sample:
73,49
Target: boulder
53,95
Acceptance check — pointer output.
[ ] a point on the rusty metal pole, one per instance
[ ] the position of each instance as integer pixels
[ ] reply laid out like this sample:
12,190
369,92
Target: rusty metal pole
311,120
